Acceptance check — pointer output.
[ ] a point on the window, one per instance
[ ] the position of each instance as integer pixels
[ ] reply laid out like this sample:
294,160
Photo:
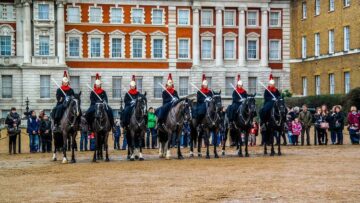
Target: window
332,83
44,86
252,85
137,16
206,49
275,20
95,15
303,47
75,83
346,38
229,49
275,50
137,48
252,18
158,48
183,49
209,80
116,47
331,5
317,7
183,17
304,86
43,12
317,44
116,15
7,12
5,45
157,87
229,89
6,86
346,3
252,49
74,44
229,18
277,82
317,85
44,45
73,14
157,16
304,10
116,87
347,82
95,47
139,84
331,42
183,86
206,17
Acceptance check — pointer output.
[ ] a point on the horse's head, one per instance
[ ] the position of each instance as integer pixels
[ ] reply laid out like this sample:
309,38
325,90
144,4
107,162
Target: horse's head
74,105
100,109
216,98
141,105
280,103
251,104
187,109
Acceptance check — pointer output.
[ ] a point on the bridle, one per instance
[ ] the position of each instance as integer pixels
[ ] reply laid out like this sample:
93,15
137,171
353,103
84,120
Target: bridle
279,110
214,103
73,103
140,110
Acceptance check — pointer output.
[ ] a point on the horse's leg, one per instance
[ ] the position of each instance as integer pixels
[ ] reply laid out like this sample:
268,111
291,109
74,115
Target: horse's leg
246,143
200,134
64,161
207,143
272,153
215,143
224,142
132,154
279,150
55,147
106,147
141,158
178,133
96,147
191,145
239,142
73,143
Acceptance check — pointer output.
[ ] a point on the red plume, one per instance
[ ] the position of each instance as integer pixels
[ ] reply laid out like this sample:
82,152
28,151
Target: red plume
169,77
97,76
238,78
133,78
65,73
203,77
271,77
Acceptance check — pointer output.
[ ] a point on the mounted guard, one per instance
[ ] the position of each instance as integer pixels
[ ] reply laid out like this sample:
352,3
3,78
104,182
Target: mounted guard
59,109
238,96
203,95
269,99
129,100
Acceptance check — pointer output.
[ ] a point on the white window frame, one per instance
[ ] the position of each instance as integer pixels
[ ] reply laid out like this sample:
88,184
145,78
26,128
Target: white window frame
228,88
114,88
279,49
331,5
48,37
111,15
317,7
257,18
331,83
230,38
188,48
346,38
279,18
304,86
183,86
157,87
304,10
252,37
4,15
317,44
347,81
38,11
142,17
9,86
346,3
188,16
233,19
153,38
211,18
331,41
162,17
101,14
68,14
69,51
96,34
138,35
317,85
303,47
8,31
117,34
211,48
249,83
75,86
49,96
139,83
74,33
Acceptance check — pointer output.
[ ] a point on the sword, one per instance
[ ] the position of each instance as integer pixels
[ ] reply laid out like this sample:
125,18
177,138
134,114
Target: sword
94,92
267,89
198,89
236,90
128,94
166,90
58,86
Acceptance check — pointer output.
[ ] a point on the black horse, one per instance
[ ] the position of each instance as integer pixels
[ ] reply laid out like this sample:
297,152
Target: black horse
135,132
69,126
101,127
275,125
210,124
244,116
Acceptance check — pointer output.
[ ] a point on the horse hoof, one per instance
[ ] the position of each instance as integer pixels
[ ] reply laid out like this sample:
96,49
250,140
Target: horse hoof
240,155
247,155
180,157
223,153
279,154
65,161
54,159
272,154
128,157
168,158
94,160
199,155
216,156
136,157
141,159
73,161
107,160
132,159
191,155
207,156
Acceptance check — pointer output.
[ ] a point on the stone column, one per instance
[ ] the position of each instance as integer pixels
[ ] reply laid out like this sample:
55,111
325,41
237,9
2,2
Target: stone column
19,30
60,33
219,37
172,38
195,37
27,33
264,37
241,37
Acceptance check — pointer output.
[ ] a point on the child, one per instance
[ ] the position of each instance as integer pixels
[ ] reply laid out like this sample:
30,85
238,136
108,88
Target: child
45,132
254,131
296,130
289,129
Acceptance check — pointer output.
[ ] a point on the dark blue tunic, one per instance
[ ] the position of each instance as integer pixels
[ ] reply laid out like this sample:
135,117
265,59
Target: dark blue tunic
59,109
126,114
236,102
268,104
201,104
163,111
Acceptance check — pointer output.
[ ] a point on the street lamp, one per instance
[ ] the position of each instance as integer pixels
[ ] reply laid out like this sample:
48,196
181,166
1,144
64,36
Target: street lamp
26,116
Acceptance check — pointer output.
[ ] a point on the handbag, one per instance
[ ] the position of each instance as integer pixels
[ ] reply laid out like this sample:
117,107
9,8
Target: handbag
324,125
